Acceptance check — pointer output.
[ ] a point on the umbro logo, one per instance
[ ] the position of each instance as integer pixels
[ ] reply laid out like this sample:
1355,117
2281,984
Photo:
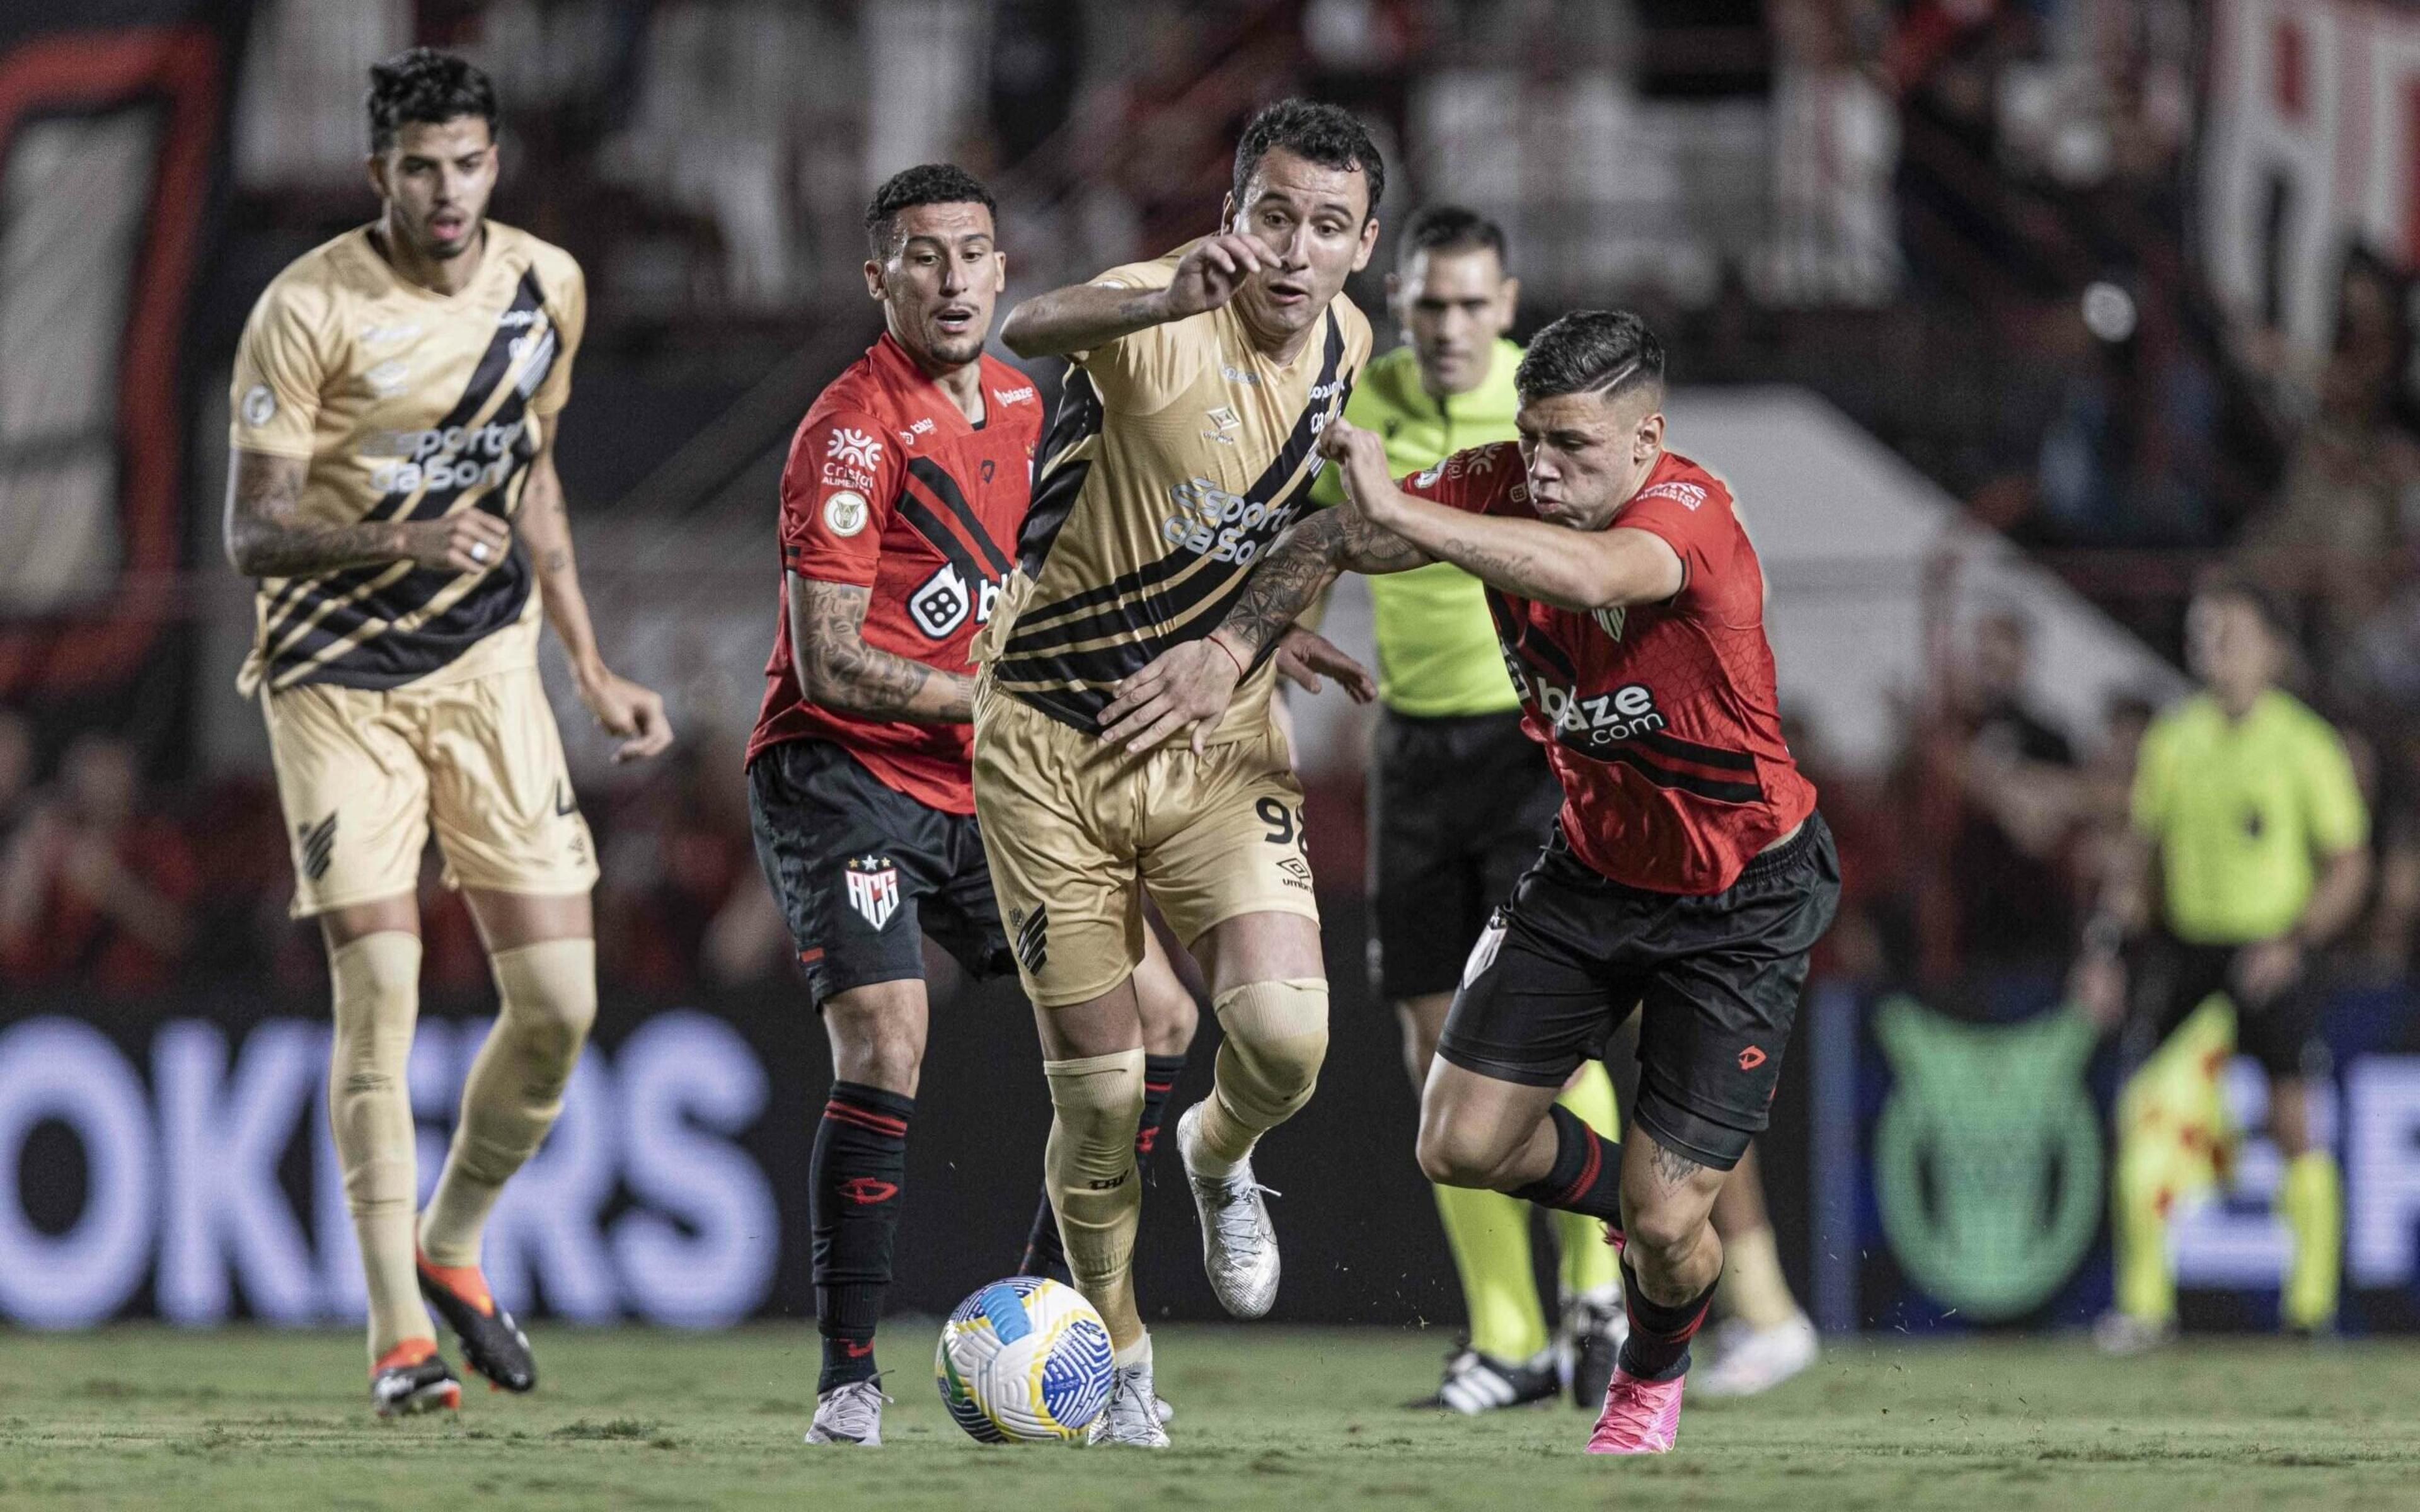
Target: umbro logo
319,845
1033,944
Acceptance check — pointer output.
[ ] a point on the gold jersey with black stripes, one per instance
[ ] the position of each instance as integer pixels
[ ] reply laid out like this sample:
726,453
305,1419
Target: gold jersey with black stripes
1177,455
408,405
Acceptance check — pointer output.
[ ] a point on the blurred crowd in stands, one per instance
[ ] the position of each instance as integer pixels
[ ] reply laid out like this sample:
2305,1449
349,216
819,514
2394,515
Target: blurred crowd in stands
1994,259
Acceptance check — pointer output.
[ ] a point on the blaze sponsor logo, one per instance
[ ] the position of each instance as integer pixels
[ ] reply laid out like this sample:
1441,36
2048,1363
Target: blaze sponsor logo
855,448
946,601
865,1191
920,427
1687,495
1596,720
845,512
873,888
1023,395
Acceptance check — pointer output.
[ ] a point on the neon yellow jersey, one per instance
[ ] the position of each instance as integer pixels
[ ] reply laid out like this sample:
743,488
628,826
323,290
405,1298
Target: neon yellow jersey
1436,645
2241,811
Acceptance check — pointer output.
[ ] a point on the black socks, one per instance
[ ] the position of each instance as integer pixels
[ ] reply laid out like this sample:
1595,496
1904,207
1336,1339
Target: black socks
1585,1177
855,1176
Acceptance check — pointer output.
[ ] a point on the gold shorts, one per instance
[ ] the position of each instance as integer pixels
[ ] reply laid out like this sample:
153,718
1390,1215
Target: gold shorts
1077,831
362,774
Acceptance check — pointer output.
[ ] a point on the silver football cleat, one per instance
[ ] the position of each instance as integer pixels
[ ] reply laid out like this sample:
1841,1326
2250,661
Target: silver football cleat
1132,1417
1239,1245
849,1414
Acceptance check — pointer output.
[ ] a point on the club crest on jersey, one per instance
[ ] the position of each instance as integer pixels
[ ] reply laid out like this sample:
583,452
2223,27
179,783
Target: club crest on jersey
1611,620
855,448
945,601
873,888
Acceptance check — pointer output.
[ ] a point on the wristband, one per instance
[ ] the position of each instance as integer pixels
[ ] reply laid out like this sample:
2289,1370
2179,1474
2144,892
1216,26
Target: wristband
1213,639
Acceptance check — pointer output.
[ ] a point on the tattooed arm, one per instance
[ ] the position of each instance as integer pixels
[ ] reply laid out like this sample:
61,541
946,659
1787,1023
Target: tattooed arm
839,670
1569,568
1187,686
624,709
268,537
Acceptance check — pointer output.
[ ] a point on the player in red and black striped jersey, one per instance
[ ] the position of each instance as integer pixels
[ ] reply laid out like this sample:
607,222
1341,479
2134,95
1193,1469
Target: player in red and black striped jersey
1688,872
907,483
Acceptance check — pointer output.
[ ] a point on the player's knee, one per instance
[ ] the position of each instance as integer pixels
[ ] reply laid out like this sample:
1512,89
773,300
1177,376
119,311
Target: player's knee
1277,1039
1662,1229
549,993
1096,1103
1453,1153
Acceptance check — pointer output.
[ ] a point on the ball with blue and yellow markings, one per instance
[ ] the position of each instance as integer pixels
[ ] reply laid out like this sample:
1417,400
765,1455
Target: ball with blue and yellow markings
1024,1361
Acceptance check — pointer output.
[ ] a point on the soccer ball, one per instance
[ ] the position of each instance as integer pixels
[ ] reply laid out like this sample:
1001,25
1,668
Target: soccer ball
1024,1361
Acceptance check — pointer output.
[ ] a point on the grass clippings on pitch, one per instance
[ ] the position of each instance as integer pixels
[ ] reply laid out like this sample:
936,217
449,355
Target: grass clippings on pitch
1305,1420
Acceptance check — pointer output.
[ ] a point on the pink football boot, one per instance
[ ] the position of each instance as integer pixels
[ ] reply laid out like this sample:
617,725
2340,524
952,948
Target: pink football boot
1640,1417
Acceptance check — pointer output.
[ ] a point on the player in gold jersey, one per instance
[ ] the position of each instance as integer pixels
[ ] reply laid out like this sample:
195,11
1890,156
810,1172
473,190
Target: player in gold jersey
393,489
1182,446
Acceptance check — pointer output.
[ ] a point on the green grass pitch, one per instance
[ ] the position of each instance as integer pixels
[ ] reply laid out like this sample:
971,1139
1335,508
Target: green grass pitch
1304,1420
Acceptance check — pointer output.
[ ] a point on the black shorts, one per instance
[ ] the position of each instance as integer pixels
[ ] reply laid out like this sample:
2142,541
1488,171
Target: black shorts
863,872
1460,805
1718,976
2169,977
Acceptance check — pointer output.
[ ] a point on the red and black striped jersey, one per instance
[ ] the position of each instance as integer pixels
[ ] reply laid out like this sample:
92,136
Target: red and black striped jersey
1661,721
891,489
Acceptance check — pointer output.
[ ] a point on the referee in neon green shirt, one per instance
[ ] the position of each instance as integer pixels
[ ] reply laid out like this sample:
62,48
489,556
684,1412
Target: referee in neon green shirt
2246,801
1463,799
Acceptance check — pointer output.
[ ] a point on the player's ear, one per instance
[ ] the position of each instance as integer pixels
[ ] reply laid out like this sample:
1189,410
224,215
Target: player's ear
873,280
1000,272
374,169
1227,211
1369,244
1650,437
1508,303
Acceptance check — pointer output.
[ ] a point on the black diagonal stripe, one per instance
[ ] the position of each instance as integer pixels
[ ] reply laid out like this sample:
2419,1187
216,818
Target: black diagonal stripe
395,657
1122,614
921,519
1689,750
494,363
1664,777
1513,631
1079,419
945,492
1157,572
319,845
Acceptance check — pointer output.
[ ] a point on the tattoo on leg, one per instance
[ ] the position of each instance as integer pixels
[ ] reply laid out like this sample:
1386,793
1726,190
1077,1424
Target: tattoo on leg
1672,1168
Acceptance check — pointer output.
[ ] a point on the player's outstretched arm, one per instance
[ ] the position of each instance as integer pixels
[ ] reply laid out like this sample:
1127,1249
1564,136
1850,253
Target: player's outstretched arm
1083,316
268,537
627,711
1550,563
839,670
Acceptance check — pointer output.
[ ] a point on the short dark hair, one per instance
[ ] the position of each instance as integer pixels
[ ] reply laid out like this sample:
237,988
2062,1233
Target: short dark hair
1325,134
425,84
1451,228
927,183
1590,351
2227,588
